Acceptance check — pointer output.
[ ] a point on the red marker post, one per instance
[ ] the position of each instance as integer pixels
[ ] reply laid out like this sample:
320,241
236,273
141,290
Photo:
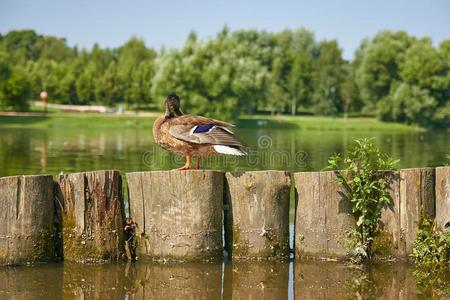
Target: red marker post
44,97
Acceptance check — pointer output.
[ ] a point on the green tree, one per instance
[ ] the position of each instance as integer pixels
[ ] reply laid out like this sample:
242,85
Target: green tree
328,71
85,86
5,73
300,77
379,67
277,94
16,90
409,104
130,56
420,95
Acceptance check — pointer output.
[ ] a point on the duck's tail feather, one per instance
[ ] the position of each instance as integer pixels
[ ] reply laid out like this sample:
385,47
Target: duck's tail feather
230,150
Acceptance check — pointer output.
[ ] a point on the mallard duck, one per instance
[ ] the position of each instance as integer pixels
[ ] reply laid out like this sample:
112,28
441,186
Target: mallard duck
194,136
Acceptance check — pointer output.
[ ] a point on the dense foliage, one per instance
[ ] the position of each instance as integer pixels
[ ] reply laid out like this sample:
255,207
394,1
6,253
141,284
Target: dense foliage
366,187
394,75
431,255
431,247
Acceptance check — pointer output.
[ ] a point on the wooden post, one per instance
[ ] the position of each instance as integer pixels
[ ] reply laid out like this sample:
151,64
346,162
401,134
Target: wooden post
323,216
443,197
28,229
417,200
412,197
179,214
389,241
257,214
93,216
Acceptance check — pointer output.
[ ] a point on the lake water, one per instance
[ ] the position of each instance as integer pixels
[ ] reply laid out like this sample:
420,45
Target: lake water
237,280
55,150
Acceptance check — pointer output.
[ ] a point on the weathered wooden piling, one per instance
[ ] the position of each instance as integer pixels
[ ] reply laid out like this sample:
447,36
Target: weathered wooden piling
323,216
324,219
179,214
93,214
443,197
389,242
28,230
412,198
257,214
417,201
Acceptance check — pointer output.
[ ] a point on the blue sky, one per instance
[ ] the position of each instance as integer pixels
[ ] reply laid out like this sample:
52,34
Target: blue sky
111,23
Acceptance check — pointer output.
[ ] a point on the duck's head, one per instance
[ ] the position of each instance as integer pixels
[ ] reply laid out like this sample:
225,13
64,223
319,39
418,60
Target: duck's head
173,106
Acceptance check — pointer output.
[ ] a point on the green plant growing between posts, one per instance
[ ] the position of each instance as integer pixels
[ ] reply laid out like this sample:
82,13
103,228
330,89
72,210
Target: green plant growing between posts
431,247
366,187
431,255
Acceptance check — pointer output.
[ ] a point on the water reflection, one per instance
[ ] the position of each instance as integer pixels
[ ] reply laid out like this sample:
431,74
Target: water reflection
237,280
256,280
40,282
52,150
187,281
315,280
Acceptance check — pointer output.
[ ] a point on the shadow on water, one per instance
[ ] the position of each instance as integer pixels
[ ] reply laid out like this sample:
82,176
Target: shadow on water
237,280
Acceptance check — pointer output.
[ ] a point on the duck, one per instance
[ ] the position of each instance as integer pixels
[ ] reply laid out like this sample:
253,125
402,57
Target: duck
194,137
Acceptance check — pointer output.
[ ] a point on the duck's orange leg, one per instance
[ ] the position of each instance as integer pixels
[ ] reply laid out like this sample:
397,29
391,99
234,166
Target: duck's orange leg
188,163
197,164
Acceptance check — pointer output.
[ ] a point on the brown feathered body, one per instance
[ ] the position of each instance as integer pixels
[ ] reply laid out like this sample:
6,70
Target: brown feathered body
196,136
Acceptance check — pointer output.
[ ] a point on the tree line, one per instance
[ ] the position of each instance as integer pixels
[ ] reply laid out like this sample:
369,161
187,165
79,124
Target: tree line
394,76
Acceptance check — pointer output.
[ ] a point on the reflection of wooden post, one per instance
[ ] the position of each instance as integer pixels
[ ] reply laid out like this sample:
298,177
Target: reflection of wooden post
105,281
179,281
37,282
179,214
93,216
323,280
330,280
257,214
258,280
27,232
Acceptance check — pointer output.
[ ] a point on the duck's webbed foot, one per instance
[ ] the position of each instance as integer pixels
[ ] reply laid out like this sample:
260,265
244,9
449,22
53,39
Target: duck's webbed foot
187,165
183,168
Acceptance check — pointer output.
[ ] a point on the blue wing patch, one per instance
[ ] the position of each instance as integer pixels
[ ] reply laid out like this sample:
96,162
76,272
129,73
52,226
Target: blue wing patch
203,128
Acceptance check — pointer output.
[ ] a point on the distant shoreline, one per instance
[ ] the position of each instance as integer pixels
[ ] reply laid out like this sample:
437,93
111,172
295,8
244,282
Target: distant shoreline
145,120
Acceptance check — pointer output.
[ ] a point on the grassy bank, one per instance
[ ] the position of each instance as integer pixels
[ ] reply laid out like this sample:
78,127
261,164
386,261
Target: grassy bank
76,120
96,120
321,123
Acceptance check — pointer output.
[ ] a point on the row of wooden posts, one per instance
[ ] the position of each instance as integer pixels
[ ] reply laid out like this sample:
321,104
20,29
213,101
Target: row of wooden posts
196,215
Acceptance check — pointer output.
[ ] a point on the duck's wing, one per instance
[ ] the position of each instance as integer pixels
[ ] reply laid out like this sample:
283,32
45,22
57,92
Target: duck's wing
201,130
